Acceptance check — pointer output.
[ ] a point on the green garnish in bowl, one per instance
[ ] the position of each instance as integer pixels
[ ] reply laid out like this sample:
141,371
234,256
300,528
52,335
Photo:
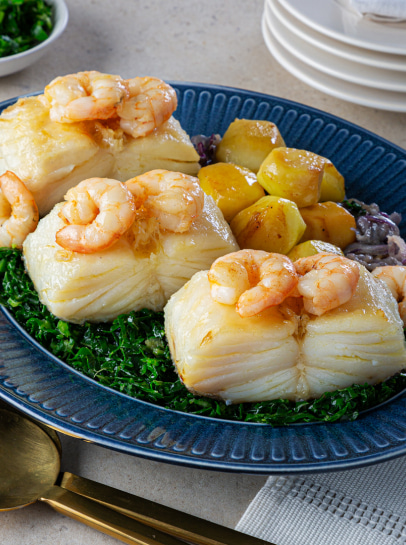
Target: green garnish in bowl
23,25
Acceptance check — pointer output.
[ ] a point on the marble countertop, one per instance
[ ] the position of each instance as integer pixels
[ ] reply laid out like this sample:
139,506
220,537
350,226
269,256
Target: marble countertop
181,40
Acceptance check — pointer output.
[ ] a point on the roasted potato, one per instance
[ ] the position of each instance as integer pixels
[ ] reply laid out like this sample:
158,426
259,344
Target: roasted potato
272,224
247,142
332,184
329,222
232,187
312,247
293,174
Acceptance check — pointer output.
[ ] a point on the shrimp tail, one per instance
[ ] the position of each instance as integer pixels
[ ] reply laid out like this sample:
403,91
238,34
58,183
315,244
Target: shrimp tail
97,213
18,211
253,279
326,281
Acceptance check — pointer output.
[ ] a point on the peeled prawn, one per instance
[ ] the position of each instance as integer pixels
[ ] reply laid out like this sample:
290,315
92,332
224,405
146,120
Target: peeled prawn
139,104
97,212
151,102
252,279
394,277
173,198
326,281
84,96
18,211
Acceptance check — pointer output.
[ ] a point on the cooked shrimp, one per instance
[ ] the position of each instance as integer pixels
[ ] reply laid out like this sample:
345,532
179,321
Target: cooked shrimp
18,211
151,102
175,199
140,104
253,279
326,281
394,277
84,96
97,212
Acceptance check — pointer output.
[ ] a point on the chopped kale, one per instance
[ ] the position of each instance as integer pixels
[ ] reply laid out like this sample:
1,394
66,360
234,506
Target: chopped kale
23,25
131,355
354,207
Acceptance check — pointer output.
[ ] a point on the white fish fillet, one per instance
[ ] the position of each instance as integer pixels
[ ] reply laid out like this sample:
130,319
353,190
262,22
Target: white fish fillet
51,157
281,354
100,286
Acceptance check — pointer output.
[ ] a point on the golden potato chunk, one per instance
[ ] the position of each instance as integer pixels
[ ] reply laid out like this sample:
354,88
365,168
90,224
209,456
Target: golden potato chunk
312,247
247,142
330,222
332,184
272,224
232,187
293,174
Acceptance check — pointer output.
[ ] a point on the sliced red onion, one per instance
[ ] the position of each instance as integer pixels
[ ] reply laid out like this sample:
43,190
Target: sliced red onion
378,242
362,248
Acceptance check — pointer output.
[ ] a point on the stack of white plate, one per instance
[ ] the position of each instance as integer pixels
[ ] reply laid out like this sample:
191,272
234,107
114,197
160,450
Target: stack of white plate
334,50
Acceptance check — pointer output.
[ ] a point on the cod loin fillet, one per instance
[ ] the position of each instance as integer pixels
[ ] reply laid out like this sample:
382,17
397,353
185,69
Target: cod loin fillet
99,286
283,352
51,157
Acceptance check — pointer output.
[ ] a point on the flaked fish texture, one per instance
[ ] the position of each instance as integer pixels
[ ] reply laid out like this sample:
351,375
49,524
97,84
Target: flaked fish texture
51,157
127,276
283,352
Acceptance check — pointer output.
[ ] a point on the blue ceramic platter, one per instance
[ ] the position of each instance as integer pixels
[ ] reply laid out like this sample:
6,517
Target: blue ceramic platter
45,388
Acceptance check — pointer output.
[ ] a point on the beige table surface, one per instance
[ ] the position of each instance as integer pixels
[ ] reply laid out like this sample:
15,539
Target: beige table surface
184,40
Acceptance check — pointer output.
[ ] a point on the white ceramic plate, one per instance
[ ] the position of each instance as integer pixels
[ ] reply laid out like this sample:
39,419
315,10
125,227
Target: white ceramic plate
351,92
335,47
328,17
330,64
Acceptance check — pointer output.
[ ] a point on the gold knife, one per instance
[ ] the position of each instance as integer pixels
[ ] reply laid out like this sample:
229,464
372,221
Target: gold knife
171,521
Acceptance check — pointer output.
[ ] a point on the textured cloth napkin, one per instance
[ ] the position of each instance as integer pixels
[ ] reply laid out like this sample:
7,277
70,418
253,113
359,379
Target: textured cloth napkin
380,10
364,506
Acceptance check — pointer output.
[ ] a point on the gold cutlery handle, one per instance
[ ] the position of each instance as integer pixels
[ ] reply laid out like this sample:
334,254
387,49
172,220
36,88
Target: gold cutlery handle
106,520
181,525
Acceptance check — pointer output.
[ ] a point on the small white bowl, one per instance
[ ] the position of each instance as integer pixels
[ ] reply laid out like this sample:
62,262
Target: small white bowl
14,63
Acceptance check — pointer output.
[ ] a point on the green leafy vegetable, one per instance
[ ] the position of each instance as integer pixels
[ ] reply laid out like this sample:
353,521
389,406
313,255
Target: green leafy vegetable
355,208
23,24
131,355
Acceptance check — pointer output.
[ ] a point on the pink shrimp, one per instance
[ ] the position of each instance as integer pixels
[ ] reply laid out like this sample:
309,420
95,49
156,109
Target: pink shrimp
253,280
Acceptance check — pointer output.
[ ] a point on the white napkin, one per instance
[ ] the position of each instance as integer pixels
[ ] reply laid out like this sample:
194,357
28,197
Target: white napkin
390,11
364,506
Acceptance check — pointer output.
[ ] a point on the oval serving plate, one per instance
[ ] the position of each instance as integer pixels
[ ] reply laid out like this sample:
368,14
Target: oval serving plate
50,391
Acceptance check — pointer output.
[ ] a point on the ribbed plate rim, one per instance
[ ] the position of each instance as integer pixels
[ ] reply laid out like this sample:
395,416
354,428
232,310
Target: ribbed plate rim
65,426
